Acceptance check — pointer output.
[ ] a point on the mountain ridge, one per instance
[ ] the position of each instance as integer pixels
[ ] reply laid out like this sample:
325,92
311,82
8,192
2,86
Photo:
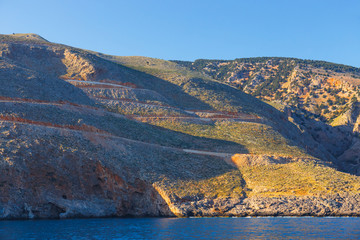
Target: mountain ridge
85,134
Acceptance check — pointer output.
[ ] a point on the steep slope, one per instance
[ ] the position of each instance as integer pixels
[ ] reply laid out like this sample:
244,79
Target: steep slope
316,95
87,134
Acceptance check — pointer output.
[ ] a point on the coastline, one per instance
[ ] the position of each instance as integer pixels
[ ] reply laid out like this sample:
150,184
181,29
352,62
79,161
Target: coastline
337,205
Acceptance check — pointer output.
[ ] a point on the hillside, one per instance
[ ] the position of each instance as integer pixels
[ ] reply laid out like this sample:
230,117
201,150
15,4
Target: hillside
319,96
85,134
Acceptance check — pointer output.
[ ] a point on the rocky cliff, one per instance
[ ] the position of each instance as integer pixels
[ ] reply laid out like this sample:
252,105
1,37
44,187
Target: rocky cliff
84,134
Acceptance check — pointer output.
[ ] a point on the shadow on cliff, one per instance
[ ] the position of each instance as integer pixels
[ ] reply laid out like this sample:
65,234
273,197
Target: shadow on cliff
328,136
20,82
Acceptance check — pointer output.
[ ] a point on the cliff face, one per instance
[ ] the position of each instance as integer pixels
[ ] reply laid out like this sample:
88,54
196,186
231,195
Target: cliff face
84,134
51,173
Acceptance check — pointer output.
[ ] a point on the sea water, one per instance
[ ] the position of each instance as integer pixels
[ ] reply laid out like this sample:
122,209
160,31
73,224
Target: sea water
184,228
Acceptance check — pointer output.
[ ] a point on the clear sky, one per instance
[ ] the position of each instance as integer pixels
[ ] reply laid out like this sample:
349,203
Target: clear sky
186,30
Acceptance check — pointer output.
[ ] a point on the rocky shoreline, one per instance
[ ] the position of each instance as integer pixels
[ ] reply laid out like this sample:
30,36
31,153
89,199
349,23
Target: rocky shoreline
336,205
317,206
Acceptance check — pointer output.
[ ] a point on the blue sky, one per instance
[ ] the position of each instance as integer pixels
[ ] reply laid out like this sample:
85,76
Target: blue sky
187,30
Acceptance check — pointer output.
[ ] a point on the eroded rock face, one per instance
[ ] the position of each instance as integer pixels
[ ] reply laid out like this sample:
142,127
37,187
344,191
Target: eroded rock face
88,189
325,205
41,180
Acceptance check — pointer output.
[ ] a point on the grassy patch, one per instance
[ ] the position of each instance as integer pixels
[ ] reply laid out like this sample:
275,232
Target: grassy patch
225,185
297,179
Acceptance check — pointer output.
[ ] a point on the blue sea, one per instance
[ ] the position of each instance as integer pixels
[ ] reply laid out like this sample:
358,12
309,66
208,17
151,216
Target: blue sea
183,228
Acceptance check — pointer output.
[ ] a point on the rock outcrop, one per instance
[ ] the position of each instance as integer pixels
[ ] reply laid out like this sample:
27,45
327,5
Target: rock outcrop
317,206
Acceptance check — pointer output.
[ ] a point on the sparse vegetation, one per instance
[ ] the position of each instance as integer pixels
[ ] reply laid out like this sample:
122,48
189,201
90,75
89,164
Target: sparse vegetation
299,179
254,138
172,125
230,184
